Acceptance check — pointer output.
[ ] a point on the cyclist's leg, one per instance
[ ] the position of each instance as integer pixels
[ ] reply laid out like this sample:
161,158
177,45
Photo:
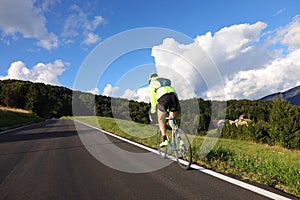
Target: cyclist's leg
161,114
161,122
173,107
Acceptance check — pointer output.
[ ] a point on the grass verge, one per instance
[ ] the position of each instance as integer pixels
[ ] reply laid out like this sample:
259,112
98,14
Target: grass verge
270,165
10,118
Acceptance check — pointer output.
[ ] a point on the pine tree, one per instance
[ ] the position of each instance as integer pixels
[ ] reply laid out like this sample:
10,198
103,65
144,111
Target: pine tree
284,123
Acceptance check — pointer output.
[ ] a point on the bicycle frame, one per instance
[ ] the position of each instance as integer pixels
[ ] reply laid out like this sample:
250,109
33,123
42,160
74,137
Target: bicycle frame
179,145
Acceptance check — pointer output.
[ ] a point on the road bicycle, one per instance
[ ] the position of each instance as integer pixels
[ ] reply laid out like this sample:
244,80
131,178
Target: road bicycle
179,145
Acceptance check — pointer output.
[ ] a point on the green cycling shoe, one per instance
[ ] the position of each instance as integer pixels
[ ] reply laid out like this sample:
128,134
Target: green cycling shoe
164,143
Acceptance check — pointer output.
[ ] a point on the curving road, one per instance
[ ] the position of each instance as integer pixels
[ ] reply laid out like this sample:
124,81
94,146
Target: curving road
49,161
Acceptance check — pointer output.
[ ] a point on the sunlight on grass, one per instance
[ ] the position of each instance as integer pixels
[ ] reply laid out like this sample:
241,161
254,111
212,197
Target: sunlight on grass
11,117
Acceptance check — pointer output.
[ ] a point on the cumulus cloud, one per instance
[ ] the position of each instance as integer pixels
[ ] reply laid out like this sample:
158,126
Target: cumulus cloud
247,66
24,18
179,63
290,34
44,73
195,67
233,48
109,90
140,95
281,74
47,4
236,62
91,38
27,19
231,40
78,22
94,91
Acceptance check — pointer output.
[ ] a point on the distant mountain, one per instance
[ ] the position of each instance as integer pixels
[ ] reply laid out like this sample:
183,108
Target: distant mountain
291,95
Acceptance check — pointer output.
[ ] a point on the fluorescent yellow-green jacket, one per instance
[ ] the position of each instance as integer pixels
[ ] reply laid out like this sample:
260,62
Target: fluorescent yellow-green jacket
156,91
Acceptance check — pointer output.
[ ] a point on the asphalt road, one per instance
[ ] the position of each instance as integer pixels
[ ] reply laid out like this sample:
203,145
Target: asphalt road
50,161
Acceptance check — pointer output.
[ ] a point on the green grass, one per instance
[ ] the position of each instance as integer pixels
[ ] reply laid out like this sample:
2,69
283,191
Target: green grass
11,118
141,133
273,166
270,165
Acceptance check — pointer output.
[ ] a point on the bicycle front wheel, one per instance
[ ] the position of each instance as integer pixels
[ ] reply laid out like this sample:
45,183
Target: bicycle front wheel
183,149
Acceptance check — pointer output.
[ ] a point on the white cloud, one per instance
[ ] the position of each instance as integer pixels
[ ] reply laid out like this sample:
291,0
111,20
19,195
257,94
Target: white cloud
280,11
44,73
281,74
23,17
109,90
140,95
236,47
78,23
91,38
290,34
47,4
190,66
48,43
248,67
179,63
231,40
94,91
252,63
96,22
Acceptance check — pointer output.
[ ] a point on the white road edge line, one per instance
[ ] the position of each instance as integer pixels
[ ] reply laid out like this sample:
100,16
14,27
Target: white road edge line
202,169
14,129
20,127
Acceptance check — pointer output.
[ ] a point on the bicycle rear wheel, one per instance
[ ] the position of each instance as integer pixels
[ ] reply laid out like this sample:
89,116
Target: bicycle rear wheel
161,150
183,150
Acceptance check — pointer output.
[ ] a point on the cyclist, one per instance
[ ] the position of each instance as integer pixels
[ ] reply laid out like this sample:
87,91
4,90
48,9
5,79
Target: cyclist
162,98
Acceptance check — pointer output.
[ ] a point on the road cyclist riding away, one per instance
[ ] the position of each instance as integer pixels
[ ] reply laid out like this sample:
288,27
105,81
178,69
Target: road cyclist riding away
164,100
163,97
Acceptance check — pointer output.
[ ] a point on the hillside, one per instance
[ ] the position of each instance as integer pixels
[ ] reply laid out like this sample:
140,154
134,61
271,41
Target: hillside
49,101
291,95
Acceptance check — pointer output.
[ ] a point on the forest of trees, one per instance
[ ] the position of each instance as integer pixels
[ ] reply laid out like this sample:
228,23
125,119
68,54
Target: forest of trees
273,122
277,123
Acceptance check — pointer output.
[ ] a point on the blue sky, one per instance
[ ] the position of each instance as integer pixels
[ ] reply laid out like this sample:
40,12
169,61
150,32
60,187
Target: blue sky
253,45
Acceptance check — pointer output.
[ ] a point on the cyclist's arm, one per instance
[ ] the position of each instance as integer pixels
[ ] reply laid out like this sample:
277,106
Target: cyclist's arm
153,99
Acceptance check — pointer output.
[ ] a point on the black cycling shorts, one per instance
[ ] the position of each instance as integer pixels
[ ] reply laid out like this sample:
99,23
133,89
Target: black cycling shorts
168,102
